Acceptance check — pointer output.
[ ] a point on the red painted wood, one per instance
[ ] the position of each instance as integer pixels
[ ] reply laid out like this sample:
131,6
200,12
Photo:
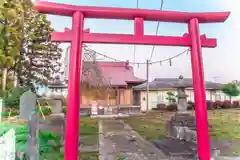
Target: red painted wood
134,39
129,14
73,107
199,92
138,26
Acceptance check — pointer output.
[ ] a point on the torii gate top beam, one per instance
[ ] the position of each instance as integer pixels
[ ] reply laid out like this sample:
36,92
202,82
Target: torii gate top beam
129,14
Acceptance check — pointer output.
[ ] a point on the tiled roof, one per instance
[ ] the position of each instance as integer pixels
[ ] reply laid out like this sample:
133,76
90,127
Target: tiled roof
118,73
170,83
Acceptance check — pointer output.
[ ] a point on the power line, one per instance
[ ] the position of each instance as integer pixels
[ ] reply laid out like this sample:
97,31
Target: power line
153,48
140,63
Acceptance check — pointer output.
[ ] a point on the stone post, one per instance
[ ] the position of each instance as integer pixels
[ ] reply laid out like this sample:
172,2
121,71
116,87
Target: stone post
33,146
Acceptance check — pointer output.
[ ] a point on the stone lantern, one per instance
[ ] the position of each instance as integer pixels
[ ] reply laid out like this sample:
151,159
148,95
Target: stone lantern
55,95
182,125
181,95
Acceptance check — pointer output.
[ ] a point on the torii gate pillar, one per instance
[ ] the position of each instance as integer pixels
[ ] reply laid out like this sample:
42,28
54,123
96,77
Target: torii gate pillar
77,36
199,91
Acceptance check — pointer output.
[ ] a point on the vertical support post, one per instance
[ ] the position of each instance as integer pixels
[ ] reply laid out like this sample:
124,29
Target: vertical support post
147,85
199,92
73,108
138,26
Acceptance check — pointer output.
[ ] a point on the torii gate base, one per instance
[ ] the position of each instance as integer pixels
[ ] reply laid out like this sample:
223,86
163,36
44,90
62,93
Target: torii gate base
77,36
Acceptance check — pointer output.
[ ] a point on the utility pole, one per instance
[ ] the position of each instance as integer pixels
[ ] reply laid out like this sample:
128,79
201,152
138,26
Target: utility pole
147,84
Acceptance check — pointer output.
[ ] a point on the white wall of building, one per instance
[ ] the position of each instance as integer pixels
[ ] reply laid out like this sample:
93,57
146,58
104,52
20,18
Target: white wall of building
160,96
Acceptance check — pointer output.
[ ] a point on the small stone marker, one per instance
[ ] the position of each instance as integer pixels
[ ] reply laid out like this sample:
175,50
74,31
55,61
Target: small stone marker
27,104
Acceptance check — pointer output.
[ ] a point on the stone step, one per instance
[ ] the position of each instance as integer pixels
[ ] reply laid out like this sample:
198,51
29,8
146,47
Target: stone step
175,148
181,149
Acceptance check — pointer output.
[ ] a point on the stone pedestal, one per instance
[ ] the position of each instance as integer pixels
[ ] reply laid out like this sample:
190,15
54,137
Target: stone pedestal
182,126
56,124
56,121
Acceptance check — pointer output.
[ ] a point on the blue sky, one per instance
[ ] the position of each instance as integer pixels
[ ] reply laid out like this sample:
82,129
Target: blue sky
220,63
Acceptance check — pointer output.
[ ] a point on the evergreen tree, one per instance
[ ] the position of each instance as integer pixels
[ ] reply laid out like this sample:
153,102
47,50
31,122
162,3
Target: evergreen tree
40,57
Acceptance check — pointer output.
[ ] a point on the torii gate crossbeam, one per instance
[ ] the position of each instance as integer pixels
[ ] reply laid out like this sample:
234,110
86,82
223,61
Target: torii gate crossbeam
77,36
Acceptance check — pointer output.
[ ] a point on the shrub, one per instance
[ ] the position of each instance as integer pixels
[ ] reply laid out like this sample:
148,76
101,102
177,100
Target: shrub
45,110
226,104
210,105
235,104
171,97
12,97
217,104
171,107
3,94
13,113
161,106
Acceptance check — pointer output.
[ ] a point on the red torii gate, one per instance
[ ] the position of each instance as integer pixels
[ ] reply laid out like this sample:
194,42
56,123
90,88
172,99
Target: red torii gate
77,36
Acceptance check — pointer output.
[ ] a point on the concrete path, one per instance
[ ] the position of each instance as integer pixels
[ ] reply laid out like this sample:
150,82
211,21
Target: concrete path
117,140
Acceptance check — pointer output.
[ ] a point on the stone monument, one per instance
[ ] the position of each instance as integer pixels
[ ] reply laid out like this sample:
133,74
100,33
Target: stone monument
27,104
29,114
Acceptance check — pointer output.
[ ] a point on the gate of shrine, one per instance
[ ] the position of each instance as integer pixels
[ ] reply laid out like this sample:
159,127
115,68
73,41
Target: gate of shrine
77,36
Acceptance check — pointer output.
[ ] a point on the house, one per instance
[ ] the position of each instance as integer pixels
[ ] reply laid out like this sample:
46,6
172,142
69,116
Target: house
117,81
108,83
159,88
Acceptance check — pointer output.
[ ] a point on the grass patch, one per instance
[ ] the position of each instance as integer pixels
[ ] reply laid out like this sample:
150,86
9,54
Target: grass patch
82,156
89,131
226,125
88,156
88,126
149,127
